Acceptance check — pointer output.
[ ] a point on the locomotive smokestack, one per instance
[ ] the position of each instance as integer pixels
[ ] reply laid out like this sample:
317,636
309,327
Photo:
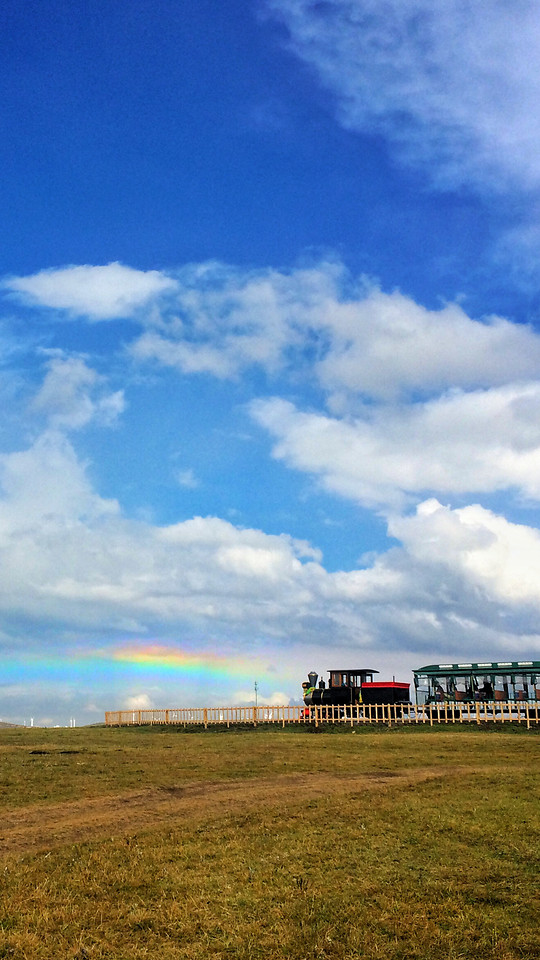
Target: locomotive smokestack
312,677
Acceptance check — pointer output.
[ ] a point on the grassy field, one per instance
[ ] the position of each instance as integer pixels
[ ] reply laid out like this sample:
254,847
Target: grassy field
259,845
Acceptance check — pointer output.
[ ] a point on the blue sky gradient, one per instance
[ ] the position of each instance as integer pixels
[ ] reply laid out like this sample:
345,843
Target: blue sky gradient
271,360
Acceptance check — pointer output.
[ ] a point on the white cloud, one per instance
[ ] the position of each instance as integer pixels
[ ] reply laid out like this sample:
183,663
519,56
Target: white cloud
73,394
139,701
386,344
498,558
74,566
454,86
97,292
309,321
257,562
458,443
69,556
46,484
247,697
185,356
461,580
226,320
319,321
71,559
187,478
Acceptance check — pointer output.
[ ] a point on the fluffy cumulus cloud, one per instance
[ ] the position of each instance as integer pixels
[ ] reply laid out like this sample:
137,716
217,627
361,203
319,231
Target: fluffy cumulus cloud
412,401
275,699
353,337
444,80
383,345
138,701
73,394
227,320
46,484
498,560
459,580
455,444
73,562
98,292
70,557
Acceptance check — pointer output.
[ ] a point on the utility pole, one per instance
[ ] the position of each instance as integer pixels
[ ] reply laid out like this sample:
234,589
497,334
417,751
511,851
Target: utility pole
256,693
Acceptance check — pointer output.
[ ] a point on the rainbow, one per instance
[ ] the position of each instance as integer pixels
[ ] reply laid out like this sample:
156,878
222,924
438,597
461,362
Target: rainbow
163,658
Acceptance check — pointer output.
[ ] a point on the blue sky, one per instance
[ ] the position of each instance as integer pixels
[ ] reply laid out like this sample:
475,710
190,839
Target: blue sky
271,359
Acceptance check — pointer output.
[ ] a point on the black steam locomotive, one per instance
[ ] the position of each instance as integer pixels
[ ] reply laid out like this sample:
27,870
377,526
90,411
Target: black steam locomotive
350,688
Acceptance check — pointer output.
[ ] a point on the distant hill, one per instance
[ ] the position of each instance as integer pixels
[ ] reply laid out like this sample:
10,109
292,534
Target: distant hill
4,723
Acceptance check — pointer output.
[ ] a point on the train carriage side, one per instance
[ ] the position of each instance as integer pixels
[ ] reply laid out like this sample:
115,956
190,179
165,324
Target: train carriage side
504,681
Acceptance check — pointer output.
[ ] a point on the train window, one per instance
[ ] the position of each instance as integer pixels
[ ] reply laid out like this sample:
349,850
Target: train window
521,687
422,689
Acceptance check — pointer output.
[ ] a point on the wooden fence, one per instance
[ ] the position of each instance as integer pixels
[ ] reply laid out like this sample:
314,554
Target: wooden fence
389,714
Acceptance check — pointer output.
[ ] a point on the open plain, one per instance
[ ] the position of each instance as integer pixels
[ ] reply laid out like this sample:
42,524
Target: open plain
262,844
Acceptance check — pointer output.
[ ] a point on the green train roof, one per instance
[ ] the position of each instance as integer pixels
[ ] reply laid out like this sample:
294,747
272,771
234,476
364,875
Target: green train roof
493,666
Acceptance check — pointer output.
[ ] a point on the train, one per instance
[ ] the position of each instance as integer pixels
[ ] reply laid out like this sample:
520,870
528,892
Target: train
488,681
352,687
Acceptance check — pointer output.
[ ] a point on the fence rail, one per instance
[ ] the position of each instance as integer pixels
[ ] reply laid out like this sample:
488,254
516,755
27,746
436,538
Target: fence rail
388,713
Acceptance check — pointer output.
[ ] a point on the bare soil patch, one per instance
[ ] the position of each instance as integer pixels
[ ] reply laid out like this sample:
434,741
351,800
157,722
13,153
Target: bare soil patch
38,827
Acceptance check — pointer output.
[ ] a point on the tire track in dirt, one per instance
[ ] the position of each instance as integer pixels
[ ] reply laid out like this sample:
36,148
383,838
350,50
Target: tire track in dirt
37,828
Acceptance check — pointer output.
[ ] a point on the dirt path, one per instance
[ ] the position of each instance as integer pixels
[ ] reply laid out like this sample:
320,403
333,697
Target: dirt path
37,828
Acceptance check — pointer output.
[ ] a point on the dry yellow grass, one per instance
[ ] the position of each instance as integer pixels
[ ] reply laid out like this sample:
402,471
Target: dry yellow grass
270,845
